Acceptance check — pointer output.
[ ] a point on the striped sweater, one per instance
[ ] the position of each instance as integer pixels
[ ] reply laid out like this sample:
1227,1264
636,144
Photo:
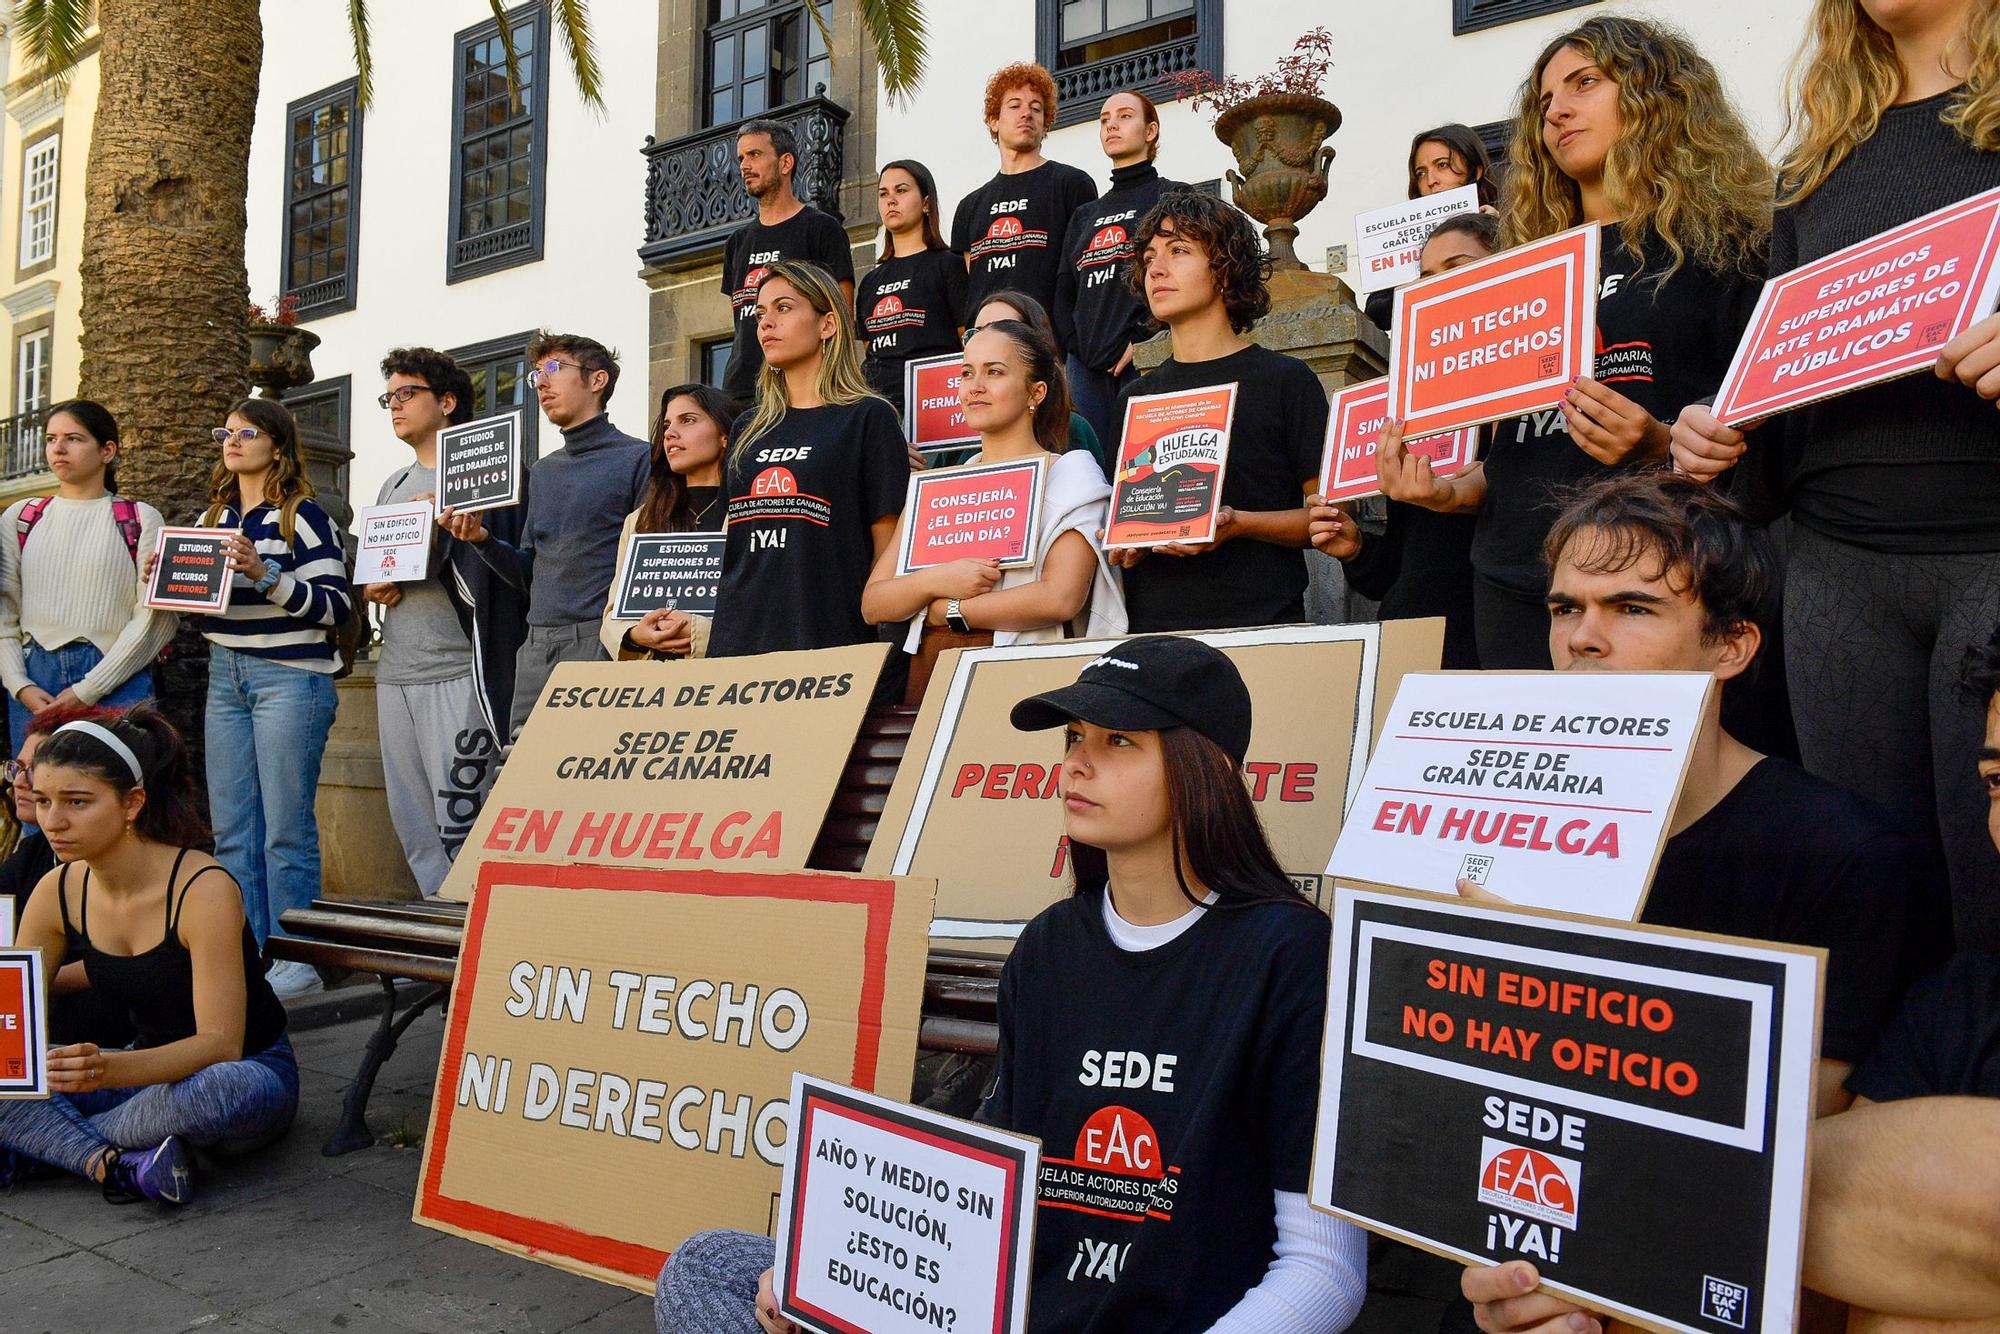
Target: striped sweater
292,620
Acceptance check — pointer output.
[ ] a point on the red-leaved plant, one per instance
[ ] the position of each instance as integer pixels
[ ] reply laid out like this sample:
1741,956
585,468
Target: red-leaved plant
1300,74
283,310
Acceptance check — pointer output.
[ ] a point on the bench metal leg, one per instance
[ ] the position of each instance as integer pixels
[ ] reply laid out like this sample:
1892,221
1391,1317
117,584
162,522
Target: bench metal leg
353,1133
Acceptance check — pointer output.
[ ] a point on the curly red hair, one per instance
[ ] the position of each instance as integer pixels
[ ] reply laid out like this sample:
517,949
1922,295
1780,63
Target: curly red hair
1023,75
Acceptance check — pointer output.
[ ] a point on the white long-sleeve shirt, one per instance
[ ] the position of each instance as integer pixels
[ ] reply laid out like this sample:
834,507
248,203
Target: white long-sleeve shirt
76,579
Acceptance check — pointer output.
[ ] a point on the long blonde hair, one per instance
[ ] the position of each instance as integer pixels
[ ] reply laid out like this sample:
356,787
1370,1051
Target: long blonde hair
1684,170
840,379
1845,75
285,486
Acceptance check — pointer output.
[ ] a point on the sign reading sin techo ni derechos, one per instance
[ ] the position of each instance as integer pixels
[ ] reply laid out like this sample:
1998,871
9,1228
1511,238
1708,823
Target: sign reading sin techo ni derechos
1552,790
932,417
1354,422
1869,312
984,511
191,570
1497,337
479,464
898,1220
1624,1107
1389,242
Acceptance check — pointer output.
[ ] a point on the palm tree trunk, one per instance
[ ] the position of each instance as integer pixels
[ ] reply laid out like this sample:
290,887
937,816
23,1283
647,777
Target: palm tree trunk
164,288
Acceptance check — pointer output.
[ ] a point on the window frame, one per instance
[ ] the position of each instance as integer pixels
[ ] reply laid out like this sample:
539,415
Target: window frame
1478,15
348,91
766,16
1074,110
704,355
534,18
47,140
44,335
341,390
492,350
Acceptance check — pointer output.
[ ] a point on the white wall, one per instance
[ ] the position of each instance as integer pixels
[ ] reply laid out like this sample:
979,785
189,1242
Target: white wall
1397,70
587,279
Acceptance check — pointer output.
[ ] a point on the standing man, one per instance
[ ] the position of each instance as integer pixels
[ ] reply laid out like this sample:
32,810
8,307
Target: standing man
1011,229
439,726
1098,316
786,228
576,500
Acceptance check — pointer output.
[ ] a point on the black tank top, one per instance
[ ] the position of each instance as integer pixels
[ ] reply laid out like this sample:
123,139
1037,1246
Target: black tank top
157,988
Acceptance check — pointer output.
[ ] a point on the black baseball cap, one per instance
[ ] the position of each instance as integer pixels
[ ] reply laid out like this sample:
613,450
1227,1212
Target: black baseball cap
1151,683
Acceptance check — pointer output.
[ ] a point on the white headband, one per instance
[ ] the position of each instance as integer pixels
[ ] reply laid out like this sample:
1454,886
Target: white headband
109,738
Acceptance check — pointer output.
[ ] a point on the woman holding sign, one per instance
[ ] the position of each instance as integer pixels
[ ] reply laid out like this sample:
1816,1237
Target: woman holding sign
1449,157
1012,392
1893,489
270,669
160,928
684,496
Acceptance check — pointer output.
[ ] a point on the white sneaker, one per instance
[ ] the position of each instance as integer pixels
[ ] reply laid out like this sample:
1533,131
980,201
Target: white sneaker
290,978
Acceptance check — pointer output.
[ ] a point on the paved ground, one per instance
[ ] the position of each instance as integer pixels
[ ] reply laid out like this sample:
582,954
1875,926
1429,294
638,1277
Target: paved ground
294,1242
290,1241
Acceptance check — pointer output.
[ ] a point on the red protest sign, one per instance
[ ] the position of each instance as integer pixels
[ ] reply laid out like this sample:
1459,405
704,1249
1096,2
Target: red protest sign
1354,423
984,511
191,570
1502,336
24,1036
1167,486
931,415
1870,312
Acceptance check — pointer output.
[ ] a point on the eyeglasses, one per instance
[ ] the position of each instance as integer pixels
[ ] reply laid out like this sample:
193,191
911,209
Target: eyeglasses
403,395
223,435
544,369
17,770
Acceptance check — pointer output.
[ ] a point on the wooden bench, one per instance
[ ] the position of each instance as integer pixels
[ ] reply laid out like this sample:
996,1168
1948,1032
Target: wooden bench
419,942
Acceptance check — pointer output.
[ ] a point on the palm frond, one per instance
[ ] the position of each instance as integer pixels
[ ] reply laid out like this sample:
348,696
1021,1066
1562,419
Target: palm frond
572,20
364,64
900,44
507,47
52,33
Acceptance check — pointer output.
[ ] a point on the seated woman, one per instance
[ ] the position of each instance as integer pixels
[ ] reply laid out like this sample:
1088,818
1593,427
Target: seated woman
684,495
160,928
1012,392
1185,941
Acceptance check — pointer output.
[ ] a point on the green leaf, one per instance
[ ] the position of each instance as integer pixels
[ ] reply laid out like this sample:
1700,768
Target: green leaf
572,20
364,65
52,32
507,45
900,46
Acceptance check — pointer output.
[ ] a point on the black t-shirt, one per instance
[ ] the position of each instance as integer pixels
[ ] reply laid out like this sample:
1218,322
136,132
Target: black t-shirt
1911,466
1096,312
1662,349
808,235
1173,1091
1275,442
801,499
908,307
23,869
1944,1042
1012,229
1791,858
1421,565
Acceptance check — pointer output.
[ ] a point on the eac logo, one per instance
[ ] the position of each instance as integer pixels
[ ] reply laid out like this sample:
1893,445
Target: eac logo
1529,1182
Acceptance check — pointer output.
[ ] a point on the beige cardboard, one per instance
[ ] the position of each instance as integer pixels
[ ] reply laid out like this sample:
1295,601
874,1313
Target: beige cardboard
995,848
612,1206
752,801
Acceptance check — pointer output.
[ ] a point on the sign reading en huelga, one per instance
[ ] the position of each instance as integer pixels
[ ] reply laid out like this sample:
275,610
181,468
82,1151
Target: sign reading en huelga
898,1220
1389,242
681,571
24,1025
479,464
1625,1107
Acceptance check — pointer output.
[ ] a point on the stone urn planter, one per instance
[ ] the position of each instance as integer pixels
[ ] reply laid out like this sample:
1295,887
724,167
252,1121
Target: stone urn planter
280,356
1279,140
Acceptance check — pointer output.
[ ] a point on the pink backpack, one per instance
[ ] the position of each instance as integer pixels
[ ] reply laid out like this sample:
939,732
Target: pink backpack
123,513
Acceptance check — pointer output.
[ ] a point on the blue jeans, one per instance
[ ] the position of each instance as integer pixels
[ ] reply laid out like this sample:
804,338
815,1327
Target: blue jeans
1094,395
267,725
55,669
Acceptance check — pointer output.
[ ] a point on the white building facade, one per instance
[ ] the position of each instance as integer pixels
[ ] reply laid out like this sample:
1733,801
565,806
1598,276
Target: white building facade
447,213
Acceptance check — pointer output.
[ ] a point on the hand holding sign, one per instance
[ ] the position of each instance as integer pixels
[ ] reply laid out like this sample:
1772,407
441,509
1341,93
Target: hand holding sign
1331,529
1610,427
1506,1301
1406,476
1973,359
1703,447
664,630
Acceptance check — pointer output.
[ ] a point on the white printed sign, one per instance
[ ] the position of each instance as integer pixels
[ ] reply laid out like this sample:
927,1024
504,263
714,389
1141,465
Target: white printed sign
1552,790
1389,242
395,543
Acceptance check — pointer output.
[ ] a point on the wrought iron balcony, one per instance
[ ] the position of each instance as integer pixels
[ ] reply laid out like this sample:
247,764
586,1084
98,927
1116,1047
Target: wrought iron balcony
694,194
22,452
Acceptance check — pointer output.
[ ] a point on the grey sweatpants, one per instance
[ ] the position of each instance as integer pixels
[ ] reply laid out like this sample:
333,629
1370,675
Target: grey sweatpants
545,646
1875,654
438,760
709,1285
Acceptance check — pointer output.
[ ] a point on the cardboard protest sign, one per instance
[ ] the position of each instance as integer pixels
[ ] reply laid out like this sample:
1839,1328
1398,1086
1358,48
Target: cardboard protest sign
1389,242
617,1065
895,1219
931,416
983,511
479,464
1354,423
1496,337
706,762
1626,1107
976,806
24,1024
1552,790
1167,484
682,571
395,542
1868,312
191,570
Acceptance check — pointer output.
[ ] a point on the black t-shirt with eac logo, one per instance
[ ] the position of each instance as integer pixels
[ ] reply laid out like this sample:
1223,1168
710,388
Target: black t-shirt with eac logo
753,248
908,307
1012,230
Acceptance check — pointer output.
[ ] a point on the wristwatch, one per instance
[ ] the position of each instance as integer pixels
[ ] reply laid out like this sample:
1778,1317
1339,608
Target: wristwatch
955,618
